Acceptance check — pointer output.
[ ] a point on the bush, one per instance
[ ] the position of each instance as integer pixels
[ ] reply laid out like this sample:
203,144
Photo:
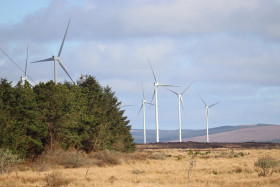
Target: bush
238,170
7,160
56,179
107,158
67,159
180,157
267,165
74,160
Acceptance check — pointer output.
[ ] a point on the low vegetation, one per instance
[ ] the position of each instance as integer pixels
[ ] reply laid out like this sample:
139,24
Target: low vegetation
155,167
7,160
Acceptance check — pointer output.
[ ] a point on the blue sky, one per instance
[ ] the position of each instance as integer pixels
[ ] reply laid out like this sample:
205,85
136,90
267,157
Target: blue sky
231,49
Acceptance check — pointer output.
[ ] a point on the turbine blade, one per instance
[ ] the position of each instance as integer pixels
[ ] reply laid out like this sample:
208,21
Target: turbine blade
61,64
26,61
143,90
139,110
167,85
172,91
203,101
125,105
152,70
150,103
152,98
11,59
214,104
29,82
61,47
187,88
44,60
183,105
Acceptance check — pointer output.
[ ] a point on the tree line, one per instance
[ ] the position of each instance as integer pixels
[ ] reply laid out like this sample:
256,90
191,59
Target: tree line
84,116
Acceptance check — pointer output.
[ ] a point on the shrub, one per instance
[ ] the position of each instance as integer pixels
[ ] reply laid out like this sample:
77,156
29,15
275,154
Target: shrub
208,152
180,157
67,159
197,153
56,178
241,153
74,160
107,158
267,165
7,160
238,170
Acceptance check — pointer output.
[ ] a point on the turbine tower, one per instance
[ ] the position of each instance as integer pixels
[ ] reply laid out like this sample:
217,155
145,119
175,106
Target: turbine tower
144,117
57,58
207,114
156,85
180,100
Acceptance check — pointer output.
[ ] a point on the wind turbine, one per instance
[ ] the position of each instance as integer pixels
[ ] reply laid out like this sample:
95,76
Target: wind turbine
207,114
156,85
57,58
180,100
144,117
25,72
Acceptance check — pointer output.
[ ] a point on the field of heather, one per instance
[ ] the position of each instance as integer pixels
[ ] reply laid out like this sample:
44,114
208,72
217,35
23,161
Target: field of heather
147,167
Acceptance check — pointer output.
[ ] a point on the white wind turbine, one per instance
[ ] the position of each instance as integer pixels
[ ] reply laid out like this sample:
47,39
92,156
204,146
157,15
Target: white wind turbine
207,114
57,58
180,100
144,117
25,72
156,85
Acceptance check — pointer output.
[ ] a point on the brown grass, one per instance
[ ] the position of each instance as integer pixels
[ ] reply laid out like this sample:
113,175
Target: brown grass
164,167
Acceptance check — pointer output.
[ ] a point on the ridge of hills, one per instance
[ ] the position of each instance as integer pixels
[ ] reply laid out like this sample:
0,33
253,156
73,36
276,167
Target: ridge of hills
239,133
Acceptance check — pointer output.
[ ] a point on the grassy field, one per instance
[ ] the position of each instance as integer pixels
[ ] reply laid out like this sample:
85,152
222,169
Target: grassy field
146,167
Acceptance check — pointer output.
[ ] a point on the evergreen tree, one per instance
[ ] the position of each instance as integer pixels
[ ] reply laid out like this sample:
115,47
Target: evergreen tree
23,133
85,116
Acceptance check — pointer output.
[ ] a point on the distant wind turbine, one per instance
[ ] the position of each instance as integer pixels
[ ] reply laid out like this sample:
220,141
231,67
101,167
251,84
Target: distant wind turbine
207,114
156,85
57,58
25,72
144,101
180,100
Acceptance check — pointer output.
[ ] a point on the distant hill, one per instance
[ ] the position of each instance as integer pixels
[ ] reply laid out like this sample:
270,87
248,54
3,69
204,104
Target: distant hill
240,133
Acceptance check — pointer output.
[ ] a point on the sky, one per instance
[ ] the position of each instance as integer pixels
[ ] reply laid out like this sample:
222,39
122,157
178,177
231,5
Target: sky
230,49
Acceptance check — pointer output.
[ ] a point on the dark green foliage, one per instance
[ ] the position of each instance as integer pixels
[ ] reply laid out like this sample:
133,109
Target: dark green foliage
85,116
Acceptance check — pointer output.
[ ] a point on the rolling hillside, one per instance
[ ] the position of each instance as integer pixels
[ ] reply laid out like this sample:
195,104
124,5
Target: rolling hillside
241,133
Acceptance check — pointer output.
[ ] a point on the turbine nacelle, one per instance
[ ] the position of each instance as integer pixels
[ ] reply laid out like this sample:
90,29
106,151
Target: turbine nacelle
23,79
156,84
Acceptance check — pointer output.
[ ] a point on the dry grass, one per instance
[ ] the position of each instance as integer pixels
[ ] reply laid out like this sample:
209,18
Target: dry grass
166,167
